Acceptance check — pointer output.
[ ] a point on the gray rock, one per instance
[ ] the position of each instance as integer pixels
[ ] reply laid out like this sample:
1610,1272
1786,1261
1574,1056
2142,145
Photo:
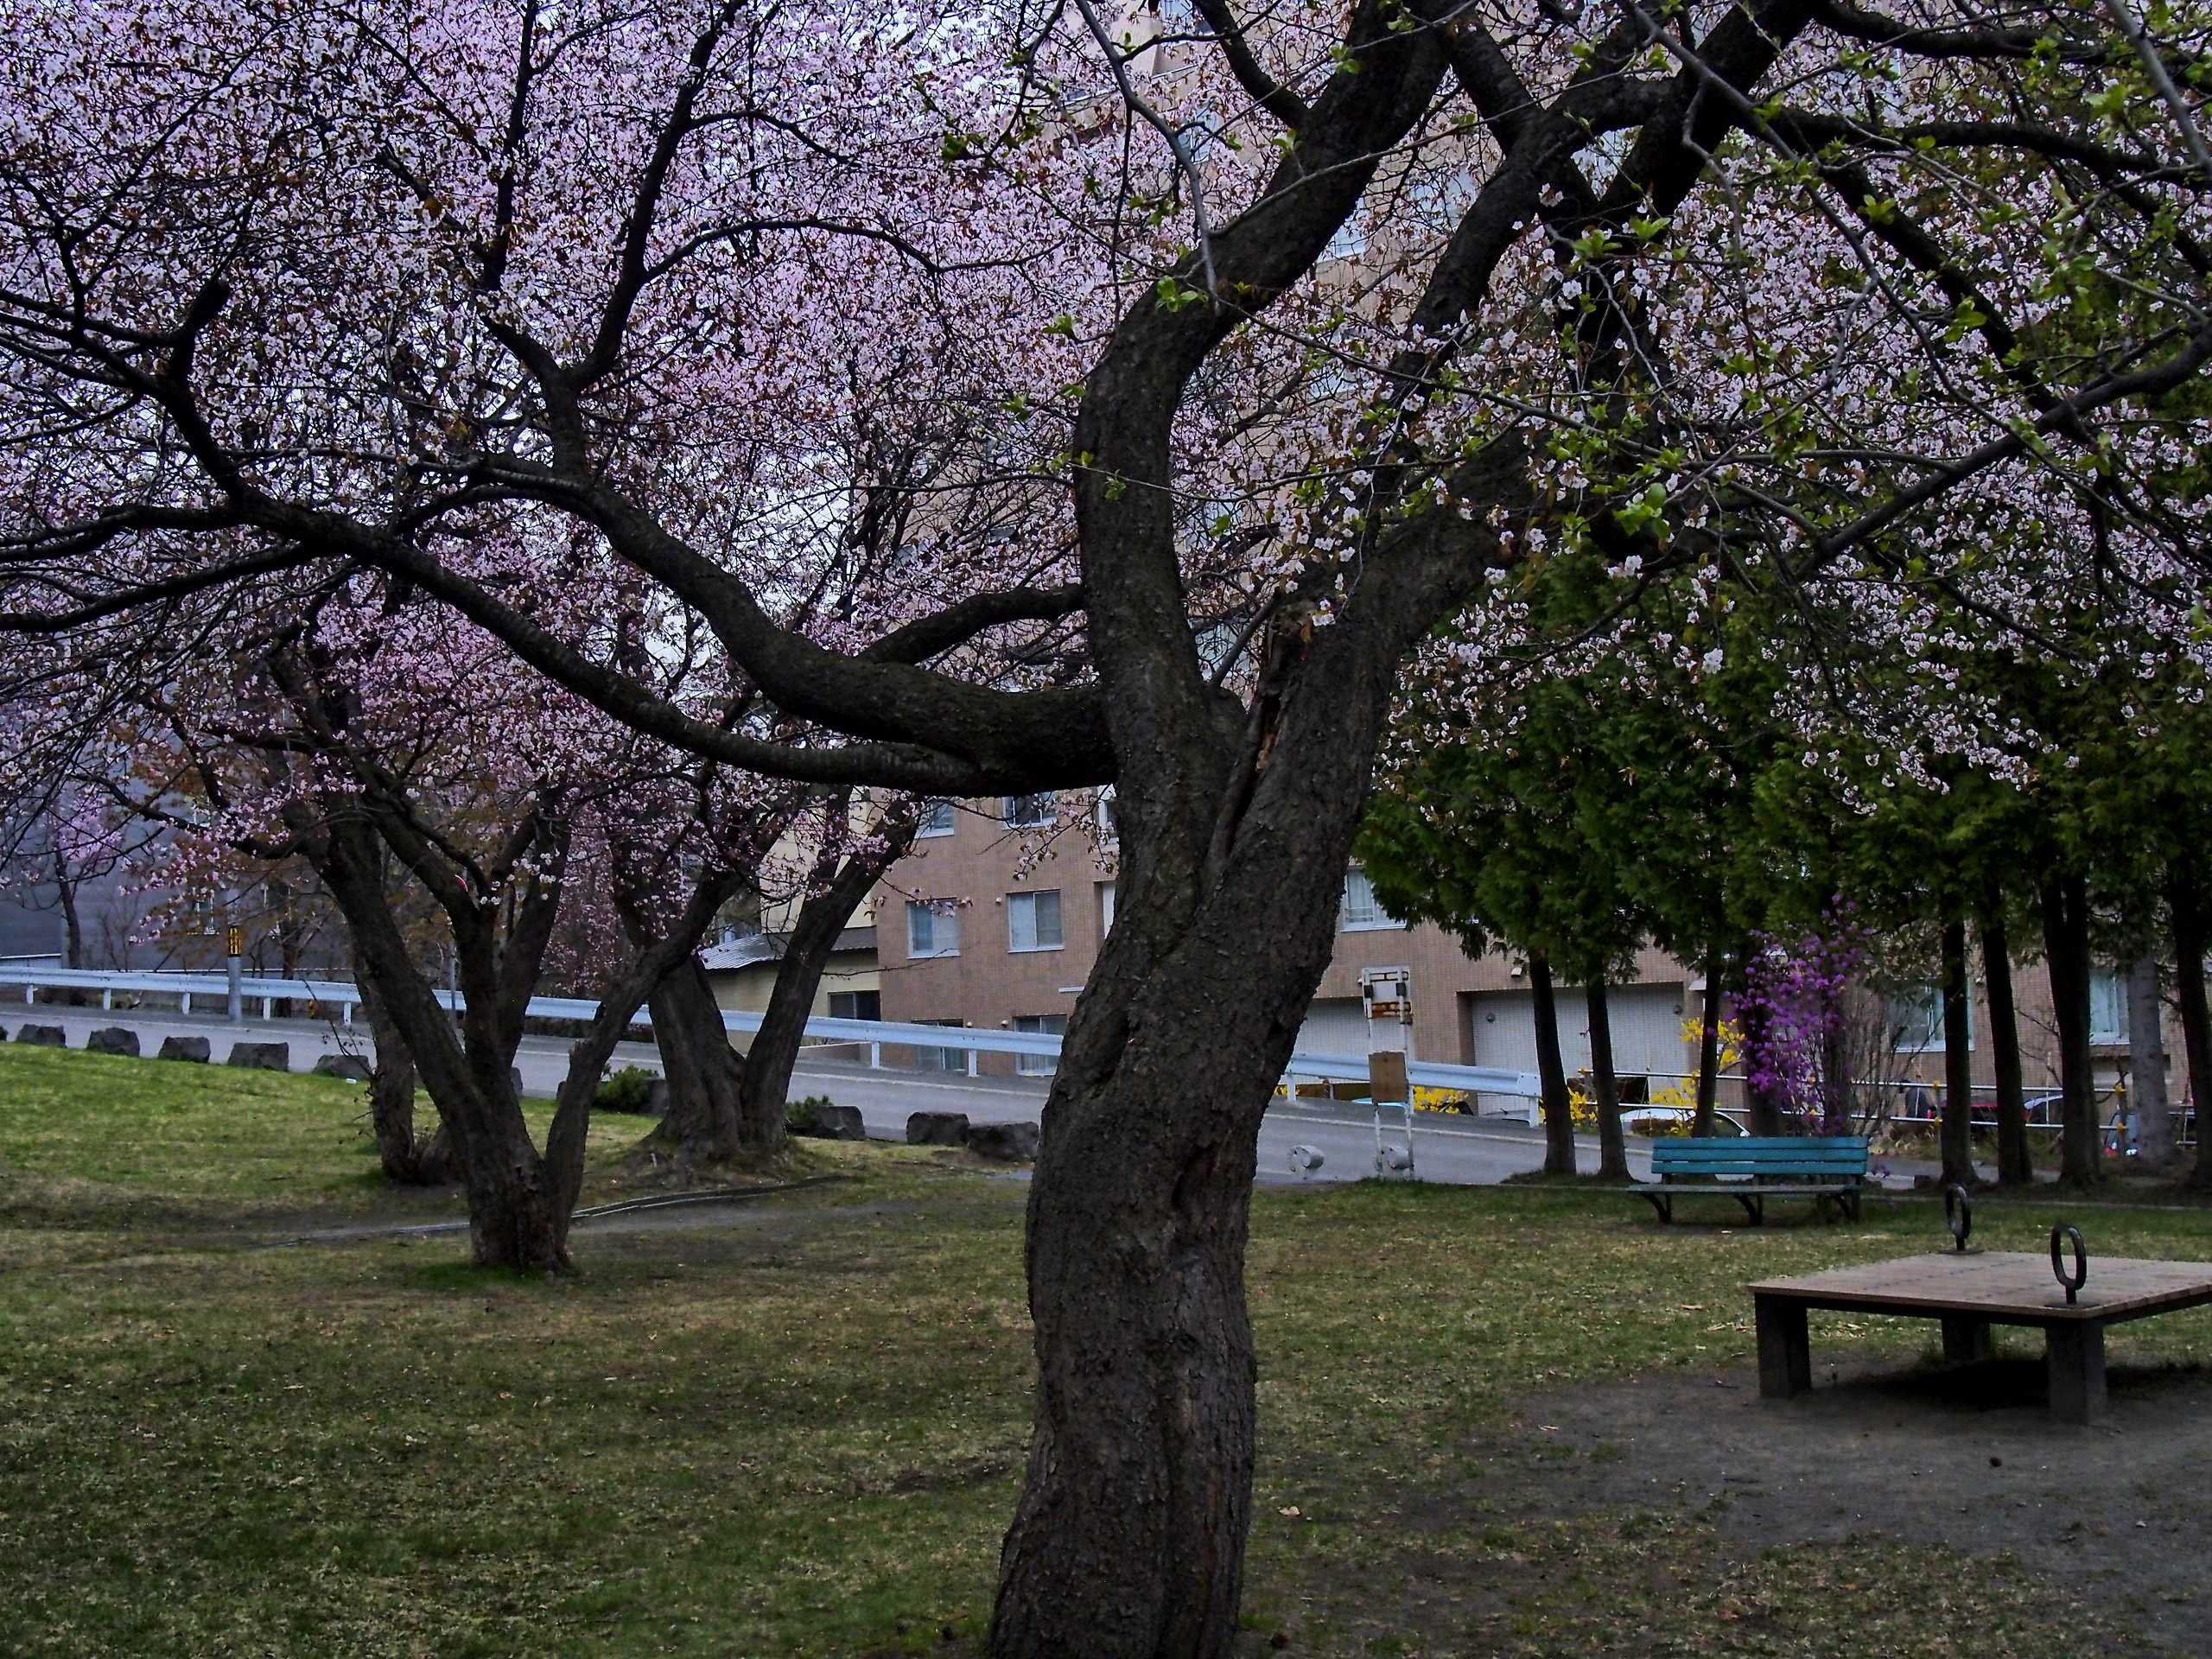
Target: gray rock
937,1130
514,1075
262,1057
193,1049
1008,1143
113,1039
351,1067
43,1036
657,1098
839,1123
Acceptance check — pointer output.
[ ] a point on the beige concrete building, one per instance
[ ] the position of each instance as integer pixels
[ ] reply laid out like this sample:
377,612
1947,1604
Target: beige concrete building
741,965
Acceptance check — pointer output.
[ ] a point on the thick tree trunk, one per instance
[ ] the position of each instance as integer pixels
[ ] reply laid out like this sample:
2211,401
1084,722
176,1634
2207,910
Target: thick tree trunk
1235,828
409,1160
1839,1114
2148,1100
1612,1151
2186,898
707,1120
1709,1049
1551,1071
813,940
2065,901
2015,1158
517,1207
1955,1135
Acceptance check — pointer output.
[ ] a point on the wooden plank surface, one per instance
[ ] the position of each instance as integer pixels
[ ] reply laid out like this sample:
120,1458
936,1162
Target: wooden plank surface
2001,1285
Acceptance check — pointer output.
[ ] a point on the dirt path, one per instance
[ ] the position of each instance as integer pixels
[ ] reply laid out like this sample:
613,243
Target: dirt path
2120,1514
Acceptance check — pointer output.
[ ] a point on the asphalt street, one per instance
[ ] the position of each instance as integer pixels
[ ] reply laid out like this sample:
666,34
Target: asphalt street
1457,1150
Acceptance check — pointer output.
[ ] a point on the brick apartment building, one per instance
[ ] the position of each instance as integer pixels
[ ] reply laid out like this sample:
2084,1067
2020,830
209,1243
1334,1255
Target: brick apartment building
997,917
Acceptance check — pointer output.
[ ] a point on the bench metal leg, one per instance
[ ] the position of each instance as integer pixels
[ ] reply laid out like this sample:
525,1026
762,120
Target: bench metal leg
1967,1339
1755,1208
1785,1348
2074,1355
1664,1206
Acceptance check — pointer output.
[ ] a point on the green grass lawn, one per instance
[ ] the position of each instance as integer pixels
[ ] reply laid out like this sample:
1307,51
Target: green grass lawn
799,1432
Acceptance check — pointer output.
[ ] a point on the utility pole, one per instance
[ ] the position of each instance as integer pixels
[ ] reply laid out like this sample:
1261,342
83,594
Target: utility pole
234,952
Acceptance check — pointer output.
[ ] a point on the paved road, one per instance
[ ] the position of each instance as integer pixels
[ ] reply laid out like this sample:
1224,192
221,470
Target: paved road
1457,1150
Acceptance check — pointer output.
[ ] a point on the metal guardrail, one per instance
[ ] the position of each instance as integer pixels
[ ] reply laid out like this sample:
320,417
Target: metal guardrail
343,997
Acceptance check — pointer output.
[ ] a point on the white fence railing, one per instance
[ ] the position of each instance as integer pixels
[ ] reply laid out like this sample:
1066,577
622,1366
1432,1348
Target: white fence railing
339,998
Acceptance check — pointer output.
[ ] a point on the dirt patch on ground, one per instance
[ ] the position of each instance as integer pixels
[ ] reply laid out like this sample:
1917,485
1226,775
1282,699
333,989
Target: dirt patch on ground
1966,1459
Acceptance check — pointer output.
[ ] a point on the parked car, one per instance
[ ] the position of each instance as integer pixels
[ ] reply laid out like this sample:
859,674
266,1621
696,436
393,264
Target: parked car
1673,1120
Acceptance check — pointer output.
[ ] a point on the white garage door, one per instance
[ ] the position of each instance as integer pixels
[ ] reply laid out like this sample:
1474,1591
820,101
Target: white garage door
1334,1025
1647,1030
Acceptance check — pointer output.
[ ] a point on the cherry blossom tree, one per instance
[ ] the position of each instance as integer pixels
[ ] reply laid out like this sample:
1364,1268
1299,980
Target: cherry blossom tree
1309,323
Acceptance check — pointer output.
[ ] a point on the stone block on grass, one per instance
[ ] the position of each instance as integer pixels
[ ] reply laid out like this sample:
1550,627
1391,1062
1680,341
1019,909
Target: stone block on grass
351,1067
192,1049
839,1123
43,1036
262,1057
937,1130
1005,1143
113,1039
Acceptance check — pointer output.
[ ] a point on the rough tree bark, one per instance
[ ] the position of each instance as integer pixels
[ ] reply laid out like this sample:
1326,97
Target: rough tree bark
707,1120
775,1046
409,1158
740,1104
1708,1048
2148,1099
1551,1071
1955,1134
2185,899
1612,1151
1237,823
2065,901
519,1202
2015,1158
1129,1539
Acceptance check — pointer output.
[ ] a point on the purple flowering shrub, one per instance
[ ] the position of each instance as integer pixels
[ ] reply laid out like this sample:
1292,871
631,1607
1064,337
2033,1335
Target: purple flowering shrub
1791,1012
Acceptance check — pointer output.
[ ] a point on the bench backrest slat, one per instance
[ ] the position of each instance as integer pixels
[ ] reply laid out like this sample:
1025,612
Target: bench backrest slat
1793,1154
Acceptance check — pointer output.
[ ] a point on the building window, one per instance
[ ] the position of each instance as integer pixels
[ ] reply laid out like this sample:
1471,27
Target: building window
936,819
1360,908
931,931
1033,920
1110,828
941,1059
1030,811
1039,1066
2107,1007
1350,241
1106,890
1916,1019
856,1005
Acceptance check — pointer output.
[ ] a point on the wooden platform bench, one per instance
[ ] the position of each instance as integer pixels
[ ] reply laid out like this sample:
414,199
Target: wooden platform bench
1826,1169
1968,1292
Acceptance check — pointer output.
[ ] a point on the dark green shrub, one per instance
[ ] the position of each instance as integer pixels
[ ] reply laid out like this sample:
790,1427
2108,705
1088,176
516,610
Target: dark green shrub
629,1088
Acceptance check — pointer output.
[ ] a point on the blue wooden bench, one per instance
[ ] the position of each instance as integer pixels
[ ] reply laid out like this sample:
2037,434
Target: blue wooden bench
1752,1170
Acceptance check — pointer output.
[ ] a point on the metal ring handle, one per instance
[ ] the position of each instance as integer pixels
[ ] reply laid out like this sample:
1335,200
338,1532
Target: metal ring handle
2081,1260
1958,1214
